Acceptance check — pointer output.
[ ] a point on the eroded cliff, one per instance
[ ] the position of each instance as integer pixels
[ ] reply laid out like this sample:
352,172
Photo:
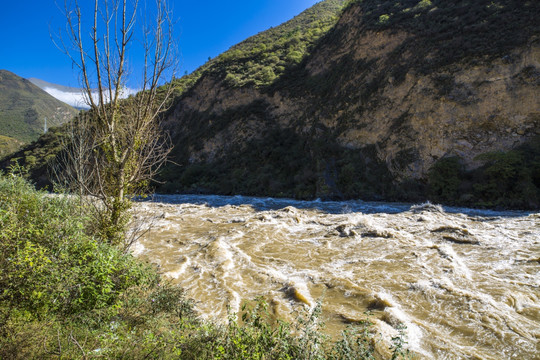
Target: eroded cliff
388,92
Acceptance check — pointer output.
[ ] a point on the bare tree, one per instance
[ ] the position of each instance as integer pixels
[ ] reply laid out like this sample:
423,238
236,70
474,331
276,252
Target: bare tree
117,146
72,168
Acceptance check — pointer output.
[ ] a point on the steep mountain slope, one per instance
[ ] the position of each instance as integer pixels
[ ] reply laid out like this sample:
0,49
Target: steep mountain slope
24,108
411,100
260,59
8,145
386,94
433,79
255,62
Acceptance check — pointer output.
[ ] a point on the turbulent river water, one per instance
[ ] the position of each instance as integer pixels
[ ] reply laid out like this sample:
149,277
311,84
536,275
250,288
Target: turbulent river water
465,283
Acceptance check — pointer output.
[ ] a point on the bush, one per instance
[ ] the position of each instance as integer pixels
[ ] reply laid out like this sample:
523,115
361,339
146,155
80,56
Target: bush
66,294
56,277
505,180
508,179
384,18
445,178
49,264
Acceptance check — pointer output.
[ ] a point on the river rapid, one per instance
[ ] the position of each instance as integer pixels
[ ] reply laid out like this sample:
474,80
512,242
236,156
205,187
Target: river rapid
465,283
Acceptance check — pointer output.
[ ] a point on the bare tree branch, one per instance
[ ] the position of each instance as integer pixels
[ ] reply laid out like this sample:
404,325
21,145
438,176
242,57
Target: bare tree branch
117,147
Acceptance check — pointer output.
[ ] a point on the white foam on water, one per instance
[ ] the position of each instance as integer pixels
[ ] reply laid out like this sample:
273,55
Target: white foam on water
137,249
221,254
447,251
396,317
421,285
413,333
454,292
235,302
186,261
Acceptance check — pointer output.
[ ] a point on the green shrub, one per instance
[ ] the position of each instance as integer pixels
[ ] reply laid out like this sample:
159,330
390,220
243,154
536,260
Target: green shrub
59,283
65,294
505,180
49,264
357,342
424,4
384,18
445,178
508,179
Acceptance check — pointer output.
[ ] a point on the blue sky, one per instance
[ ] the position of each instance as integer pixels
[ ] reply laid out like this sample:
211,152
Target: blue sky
205,29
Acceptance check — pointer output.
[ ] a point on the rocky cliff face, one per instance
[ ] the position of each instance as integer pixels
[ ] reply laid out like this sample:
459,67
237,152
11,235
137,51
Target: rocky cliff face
388,92
469,107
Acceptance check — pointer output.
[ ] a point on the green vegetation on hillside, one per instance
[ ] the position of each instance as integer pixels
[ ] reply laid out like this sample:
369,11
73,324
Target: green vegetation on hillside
38,156
264,57
68,294
505,179
282,164
24,107
285,164
8,145
450,32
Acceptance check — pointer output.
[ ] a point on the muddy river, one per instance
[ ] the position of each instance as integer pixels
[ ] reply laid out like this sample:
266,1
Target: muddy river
465,283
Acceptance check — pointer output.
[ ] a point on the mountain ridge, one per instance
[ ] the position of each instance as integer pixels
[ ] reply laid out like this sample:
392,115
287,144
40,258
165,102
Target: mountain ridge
44,84
70,95
24,108
383,96
400,101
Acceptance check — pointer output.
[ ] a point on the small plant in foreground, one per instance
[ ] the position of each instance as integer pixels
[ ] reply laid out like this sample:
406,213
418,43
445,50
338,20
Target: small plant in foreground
398,345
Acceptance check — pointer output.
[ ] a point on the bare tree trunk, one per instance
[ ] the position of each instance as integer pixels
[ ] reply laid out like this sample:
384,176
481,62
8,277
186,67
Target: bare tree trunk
121,146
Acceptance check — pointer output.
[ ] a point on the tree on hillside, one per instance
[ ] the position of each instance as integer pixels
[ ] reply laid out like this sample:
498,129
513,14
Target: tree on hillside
117,146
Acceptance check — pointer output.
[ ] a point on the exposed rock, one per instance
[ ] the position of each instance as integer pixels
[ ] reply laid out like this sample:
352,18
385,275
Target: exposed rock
368,90
377,234
456,235
345,231
428,207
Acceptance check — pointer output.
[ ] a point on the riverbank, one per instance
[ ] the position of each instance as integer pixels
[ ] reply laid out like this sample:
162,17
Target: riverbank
66,294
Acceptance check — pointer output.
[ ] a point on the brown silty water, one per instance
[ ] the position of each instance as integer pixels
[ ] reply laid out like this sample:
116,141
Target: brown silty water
464,283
